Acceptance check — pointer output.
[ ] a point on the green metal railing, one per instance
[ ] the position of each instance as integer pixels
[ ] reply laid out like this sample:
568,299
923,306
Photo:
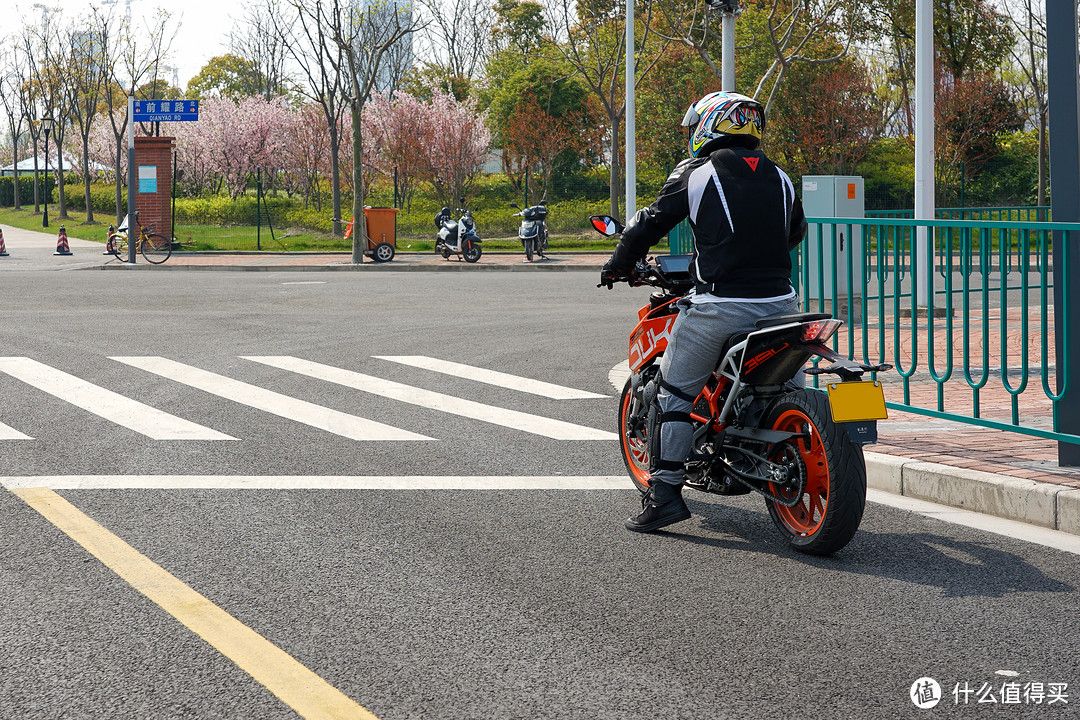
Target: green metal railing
1024,213
681,239
867,272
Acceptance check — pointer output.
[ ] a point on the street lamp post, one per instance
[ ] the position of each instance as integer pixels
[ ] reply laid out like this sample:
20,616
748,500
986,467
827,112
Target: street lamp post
46,125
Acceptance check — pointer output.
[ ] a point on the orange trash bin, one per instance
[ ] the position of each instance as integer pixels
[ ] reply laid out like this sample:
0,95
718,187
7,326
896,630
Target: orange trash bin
382,232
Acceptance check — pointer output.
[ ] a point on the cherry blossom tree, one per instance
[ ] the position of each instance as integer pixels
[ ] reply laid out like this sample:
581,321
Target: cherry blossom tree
457,146
399,123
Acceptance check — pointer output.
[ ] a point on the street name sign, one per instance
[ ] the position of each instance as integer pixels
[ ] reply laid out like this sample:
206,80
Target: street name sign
166,110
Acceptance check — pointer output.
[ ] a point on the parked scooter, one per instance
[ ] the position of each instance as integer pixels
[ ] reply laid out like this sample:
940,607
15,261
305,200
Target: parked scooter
457,237
533,231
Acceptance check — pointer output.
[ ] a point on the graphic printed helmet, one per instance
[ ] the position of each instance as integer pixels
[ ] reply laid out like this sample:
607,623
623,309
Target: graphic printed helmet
722,115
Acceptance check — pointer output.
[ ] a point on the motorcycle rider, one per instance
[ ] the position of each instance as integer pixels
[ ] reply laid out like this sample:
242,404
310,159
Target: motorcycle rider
746,218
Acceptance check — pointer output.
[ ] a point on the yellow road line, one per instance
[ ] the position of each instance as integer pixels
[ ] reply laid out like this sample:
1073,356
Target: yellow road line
296,686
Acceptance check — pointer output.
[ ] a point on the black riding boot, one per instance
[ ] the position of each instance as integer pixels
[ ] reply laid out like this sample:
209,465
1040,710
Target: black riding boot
660,507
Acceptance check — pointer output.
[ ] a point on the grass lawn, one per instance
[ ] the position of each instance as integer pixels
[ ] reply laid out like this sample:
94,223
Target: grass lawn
249,237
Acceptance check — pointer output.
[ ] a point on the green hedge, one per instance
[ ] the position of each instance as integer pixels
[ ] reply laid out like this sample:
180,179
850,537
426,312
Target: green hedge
26,189
102,197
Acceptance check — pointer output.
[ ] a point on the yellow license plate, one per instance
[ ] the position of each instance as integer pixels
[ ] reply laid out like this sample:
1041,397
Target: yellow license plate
853,401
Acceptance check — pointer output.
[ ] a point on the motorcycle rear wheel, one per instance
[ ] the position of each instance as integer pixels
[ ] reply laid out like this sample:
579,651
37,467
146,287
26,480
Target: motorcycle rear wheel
831,507
635,452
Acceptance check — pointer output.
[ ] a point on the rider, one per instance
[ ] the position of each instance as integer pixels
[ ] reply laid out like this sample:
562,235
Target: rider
746,218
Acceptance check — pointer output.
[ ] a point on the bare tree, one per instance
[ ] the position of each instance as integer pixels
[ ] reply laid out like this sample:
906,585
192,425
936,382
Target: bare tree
366,35
86,74
320,61
594,44
13,98
458,35
1028,20
132,56
259,42
792,29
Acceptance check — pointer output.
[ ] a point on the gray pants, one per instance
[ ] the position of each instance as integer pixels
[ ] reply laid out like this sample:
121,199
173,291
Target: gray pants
692,354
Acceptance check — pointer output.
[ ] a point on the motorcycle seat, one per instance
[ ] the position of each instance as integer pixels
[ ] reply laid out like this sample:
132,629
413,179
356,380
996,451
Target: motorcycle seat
768,322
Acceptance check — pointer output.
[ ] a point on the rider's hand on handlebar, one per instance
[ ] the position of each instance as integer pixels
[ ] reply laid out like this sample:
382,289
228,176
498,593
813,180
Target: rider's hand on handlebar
611,274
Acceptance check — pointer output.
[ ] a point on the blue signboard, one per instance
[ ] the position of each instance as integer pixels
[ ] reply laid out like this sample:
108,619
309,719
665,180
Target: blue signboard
166,110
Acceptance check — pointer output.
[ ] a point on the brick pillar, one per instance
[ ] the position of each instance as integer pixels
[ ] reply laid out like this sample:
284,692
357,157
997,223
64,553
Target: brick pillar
153,196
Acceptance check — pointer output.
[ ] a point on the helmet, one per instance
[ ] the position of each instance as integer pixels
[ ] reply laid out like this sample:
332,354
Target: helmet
722,115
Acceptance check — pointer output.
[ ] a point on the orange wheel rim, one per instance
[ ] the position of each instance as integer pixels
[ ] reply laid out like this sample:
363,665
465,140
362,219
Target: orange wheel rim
806,516
636,451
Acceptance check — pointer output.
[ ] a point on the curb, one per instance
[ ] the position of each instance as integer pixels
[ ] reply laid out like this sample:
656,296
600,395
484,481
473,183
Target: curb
1043,504
361,267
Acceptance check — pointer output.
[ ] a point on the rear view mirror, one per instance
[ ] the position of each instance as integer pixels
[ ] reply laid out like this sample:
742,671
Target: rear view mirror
514,205
606,225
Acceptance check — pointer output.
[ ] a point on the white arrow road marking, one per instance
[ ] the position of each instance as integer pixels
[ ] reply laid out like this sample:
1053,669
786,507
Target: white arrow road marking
318,482
492,377
121,410
333,421
555,429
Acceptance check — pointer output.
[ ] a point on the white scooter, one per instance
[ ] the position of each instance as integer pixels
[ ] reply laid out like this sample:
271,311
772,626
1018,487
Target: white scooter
457,237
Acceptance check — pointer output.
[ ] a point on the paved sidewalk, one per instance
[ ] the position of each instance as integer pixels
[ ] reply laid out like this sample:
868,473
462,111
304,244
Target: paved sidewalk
991,471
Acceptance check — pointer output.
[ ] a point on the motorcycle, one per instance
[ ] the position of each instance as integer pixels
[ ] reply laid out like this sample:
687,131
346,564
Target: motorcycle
457,237
756,428
533,229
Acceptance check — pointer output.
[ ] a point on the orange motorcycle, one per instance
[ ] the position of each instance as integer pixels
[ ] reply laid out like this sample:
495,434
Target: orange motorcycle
756,427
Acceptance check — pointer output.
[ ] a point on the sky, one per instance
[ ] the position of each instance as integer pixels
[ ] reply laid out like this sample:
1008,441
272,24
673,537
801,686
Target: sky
204,25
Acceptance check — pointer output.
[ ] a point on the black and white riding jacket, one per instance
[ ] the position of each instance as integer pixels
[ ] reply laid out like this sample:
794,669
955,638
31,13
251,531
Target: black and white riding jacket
745,217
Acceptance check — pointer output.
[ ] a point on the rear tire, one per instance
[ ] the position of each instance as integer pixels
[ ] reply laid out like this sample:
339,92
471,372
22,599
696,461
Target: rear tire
632,443
156,248
831,507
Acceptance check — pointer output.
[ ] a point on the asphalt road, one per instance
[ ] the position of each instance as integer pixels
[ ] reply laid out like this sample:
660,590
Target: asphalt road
448,603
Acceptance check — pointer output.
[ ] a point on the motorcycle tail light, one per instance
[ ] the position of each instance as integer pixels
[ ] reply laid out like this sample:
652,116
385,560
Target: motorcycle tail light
819,330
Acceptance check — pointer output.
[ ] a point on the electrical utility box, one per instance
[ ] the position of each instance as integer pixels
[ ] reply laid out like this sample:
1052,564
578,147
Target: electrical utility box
833,196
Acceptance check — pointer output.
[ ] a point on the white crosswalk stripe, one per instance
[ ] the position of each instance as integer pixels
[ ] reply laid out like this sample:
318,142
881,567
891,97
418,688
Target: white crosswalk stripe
10,433
332,421
547,427
134,415
491,377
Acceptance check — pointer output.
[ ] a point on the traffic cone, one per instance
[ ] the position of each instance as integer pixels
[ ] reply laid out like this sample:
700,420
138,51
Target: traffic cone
3,248
62,243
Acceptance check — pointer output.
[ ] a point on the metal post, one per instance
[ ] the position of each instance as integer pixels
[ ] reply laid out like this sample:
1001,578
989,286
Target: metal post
924,149
45,215
172,210
727,50
46,125
132,232
258,209
1061,64
631,112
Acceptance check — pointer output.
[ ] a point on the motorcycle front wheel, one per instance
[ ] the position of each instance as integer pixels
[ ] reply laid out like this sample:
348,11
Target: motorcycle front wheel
632,442
829,511
471,252
528,243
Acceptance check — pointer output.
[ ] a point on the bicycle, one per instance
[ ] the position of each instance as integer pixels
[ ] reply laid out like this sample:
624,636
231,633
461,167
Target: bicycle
154,247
